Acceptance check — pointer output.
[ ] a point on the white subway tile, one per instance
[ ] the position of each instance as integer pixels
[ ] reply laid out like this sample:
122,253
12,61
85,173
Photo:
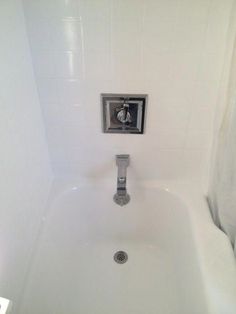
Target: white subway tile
44,65
169,92
94,9
97,65
218,22
167,139
96,35
168,117
201,118
158,34
195,164
156,140
66,34
51,8
126,36
164,165
211,66
198,139
193,13
70,115
188,39
41,37
131,10
68,64
47,89
159,68
185,66
82,48
156,10
60,90
205,95
126,49
52,64
127,84
126,65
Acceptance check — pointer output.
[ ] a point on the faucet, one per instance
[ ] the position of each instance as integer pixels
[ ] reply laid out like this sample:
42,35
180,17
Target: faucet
123,114
121,197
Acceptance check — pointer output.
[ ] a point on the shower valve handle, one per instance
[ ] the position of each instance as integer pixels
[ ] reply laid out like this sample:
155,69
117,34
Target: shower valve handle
123,114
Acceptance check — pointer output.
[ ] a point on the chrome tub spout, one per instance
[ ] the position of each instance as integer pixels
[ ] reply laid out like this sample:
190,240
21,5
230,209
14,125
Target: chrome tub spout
122,197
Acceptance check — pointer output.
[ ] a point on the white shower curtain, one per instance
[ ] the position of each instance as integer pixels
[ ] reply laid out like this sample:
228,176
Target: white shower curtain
222,192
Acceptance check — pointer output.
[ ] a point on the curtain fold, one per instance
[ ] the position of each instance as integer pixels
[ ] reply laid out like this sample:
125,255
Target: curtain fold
222,191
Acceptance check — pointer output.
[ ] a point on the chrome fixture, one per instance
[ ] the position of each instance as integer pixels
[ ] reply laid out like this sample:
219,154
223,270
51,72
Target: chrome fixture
121,197
123,113
120,257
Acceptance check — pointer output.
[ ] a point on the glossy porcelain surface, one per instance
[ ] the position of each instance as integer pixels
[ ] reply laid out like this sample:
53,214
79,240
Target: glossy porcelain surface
74,269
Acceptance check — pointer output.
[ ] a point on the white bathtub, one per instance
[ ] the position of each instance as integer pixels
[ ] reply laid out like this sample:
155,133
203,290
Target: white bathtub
178,261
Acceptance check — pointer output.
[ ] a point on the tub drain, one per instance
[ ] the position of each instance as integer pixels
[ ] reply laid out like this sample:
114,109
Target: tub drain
121,257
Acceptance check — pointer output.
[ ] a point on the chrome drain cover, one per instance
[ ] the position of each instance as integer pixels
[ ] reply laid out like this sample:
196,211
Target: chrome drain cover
120,257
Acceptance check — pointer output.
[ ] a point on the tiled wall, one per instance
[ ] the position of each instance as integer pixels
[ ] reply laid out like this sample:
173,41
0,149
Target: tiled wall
173,50
24,162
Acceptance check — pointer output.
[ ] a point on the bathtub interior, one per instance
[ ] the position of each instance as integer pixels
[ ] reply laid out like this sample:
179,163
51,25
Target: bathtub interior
73,270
